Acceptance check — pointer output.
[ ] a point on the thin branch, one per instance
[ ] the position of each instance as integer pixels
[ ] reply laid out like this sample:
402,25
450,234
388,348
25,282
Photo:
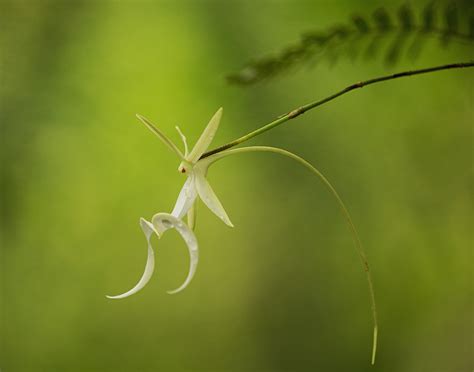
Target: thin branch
301,110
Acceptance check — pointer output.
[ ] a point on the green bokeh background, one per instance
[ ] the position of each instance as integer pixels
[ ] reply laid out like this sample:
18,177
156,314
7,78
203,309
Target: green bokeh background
284,289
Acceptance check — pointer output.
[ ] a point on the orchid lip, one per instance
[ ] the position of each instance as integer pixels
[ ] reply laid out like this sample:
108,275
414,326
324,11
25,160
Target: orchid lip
162,222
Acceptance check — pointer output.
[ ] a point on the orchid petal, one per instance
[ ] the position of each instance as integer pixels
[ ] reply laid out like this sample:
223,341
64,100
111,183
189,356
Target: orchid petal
186,197
206,137
208,196
165,221
185,142
161,136
148,230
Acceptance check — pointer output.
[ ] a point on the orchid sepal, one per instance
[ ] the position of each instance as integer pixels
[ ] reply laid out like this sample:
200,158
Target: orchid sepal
206,137
163,137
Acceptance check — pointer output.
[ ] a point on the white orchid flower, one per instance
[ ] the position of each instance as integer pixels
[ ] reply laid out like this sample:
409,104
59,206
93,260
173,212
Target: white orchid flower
196,183
158,225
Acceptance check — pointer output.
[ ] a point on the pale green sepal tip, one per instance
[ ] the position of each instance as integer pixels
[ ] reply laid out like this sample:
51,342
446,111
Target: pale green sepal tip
208,196
206,137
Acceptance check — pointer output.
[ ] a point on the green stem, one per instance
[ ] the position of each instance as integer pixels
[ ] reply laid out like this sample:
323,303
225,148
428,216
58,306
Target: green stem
355,236
301,110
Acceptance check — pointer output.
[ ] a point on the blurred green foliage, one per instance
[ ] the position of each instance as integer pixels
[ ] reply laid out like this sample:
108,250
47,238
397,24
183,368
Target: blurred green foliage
379,35
284,289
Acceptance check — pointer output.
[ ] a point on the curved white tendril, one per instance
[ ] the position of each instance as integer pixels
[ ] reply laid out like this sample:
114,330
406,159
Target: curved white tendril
160,223
148,230
164,221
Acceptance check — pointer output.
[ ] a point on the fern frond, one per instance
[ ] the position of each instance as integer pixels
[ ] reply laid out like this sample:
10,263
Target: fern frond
400,33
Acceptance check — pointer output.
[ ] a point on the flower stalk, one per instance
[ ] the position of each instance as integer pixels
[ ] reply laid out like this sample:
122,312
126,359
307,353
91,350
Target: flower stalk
355,236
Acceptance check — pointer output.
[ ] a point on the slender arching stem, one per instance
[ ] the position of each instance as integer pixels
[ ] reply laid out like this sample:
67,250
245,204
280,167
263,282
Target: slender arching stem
301,110
355,236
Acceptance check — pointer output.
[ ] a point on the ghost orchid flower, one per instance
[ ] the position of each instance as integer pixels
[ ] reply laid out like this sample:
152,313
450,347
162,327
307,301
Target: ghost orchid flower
158,225
196,183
